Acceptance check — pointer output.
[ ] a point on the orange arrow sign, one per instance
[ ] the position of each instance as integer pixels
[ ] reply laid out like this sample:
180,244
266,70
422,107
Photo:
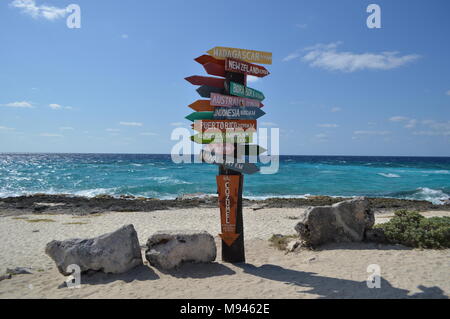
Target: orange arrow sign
228,188
202,106
225,125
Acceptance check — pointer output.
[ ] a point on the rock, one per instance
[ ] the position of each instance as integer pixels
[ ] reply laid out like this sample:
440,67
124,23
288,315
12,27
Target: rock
375,235
19,271
5,276
115,252
168,249
342,222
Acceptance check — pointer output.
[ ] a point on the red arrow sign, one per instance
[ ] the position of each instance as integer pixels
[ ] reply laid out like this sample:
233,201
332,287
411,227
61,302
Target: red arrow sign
206,80
214,69
235,65
228,189
203,59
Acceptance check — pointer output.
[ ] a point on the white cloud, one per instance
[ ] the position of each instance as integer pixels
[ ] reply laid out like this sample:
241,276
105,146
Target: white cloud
66,128
448,92
291,56
336,109
432,133
252,79
371,132
5,128
327,57
321,135
328,125
112,130
39,11
23,104
398,118
148,134
55,106
411,123
124,36
50,135
131,124
301,25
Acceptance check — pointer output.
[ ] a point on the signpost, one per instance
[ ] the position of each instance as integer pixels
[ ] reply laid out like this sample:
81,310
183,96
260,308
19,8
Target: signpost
206,80
247,55
226,124
206,90
228,100
244,91
238,112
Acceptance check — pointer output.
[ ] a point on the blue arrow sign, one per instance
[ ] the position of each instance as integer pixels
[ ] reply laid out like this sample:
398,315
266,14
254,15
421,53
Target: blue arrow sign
238,113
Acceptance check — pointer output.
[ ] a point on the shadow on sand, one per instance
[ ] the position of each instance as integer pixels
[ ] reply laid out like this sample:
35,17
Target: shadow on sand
328,287
192,270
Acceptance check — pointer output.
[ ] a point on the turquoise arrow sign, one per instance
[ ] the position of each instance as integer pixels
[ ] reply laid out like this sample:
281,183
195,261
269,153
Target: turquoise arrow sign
200,116
244,91
238,113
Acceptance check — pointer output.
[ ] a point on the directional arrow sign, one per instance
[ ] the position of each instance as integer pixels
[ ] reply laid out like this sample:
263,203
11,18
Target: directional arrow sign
228,189
206,90
200,116
219,159
214,69
242,54
206,80
245,168
244,91
225,125
204,59
238,113
250,150
236,65
206,138
202,106
228,100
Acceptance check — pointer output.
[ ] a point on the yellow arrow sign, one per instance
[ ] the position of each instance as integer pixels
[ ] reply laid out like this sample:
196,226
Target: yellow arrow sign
246,55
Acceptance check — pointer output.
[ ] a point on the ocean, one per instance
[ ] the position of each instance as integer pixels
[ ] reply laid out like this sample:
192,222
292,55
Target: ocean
422,178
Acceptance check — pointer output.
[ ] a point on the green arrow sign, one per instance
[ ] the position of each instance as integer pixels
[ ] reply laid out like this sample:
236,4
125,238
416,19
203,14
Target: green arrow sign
200,116
244,91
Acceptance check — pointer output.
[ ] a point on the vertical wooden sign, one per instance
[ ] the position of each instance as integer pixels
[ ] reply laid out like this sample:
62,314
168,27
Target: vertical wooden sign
228,189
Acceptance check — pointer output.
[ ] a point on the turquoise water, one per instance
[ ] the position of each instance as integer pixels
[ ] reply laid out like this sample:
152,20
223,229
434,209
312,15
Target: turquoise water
157,176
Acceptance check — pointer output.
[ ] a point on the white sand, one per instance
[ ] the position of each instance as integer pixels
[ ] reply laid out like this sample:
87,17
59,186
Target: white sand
336,271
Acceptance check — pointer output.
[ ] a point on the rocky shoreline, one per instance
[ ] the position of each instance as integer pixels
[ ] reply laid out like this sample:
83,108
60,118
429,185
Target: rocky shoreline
69,204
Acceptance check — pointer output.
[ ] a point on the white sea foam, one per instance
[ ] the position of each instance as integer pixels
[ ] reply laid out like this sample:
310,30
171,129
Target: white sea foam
389,175
436,196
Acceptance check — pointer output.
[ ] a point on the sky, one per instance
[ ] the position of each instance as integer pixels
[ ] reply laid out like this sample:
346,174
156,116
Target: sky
116,85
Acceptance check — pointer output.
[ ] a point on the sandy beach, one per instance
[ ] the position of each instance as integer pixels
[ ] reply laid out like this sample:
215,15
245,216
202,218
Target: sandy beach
333,271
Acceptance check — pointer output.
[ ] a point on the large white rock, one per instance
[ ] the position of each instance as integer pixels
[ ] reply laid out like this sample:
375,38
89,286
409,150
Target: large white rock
115,252
345,221
168,249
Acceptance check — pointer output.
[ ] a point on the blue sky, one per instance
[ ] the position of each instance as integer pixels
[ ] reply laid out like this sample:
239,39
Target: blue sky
117,83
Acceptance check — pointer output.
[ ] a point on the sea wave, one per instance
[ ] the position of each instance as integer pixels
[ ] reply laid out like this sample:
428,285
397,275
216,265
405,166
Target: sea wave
389,175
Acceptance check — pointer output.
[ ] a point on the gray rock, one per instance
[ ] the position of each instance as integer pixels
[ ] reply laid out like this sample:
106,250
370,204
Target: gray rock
168,249
5,276
294,245
376,235
342,222
115,252
19,271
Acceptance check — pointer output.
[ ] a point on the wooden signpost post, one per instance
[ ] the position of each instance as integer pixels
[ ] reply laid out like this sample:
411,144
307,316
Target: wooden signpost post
226,123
